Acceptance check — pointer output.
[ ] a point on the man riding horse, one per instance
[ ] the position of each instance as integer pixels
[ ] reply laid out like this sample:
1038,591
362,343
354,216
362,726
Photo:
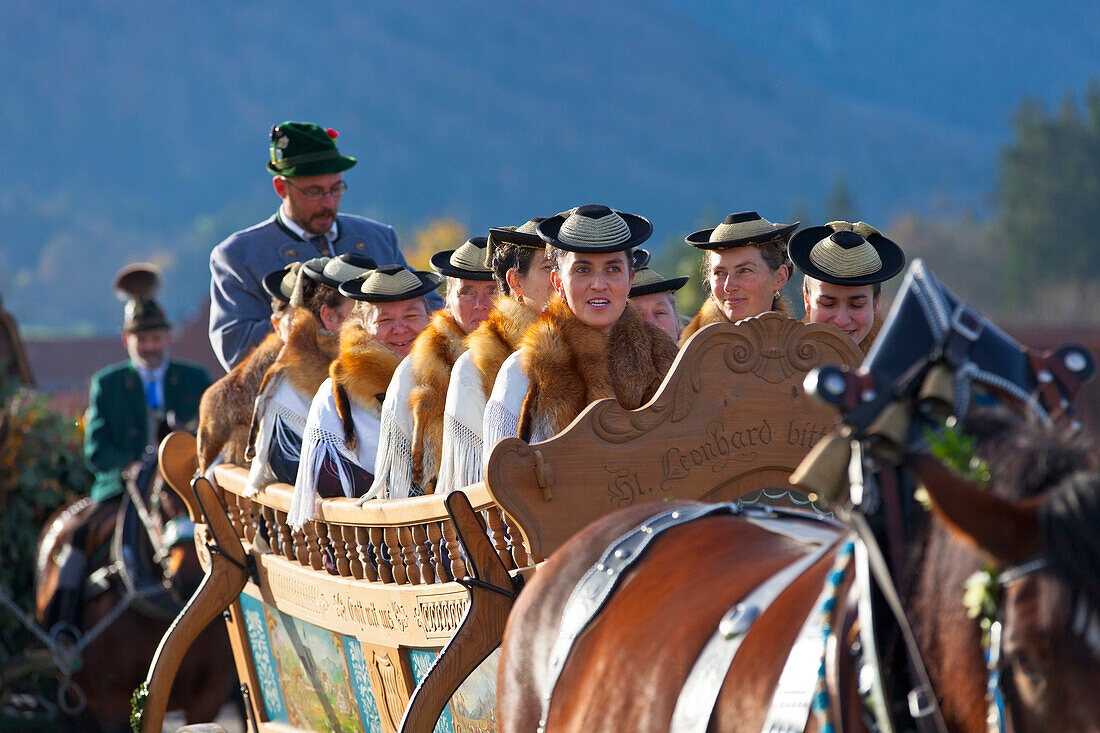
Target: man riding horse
131,406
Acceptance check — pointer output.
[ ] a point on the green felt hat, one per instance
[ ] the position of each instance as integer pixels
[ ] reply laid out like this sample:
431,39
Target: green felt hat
305,149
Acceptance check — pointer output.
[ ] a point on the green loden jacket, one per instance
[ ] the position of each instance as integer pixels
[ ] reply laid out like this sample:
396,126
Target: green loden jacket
115,424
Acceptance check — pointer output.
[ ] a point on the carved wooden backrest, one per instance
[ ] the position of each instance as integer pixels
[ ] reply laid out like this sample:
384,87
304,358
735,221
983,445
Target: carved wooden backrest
730,418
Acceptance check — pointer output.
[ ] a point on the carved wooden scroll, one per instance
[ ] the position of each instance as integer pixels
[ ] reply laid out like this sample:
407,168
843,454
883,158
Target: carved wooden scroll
730,418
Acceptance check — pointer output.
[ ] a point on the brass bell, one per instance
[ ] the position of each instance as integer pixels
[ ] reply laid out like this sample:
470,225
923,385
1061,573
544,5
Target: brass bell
824,470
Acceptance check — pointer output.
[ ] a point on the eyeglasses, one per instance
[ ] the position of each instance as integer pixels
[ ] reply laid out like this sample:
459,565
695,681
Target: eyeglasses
316,193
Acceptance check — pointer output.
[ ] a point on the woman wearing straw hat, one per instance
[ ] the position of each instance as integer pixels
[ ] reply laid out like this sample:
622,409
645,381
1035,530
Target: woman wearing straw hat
746,267
589,343
226,408
845,265
655,298
412,420
517,256
288,387
342,432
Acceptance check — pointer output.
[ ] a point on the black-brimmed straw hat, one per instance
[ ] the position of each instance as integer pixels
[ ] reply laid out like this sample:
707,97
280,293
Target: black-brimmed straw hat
648,282
595,229
137,284
844,253
390,283
279,284
740,230
305,149
465,263
525,235
332,271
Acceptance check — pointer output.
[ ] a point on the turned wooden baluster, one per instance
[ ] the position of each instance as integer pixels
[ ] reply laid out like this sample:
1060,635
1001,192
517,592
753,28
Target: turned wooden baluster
435,539
408,554
271,529
339,549
248,518
233,511
495,530
515,544
382,554
362,546
397,562
286,539
454,551
316,536
351,549
423,553
301,549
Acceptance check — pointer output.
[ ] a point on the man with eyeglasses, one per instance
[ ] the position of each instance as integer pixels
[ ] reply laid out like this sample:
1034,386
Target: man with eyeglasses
308,178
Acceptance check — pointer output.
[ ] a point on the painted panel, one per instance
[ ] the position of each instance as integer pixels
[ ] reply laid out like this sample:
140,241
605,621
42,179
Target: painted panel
266,669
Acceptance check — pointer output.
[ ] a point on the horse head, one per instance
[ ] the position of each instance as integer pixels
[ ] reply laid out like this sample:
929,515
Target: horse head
1040,596
934,359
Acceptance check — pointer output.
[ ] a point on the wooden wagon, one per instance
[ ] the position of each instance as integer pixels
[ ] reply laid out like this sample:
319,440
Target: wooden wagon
386,616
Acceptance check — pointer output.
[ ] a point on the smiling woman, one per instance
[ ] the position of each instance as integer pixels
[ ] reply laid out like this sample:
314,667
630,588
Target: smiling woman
746,267
589,343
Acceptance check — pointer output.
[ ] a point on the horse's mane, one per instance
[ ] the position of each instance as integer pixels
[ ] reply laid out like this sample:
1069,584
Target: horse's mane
1059,464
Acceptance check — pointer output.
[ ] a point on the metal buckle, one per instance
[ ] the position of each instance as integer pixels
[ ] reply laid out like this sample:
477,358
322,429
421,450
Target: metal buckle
920,702
966,322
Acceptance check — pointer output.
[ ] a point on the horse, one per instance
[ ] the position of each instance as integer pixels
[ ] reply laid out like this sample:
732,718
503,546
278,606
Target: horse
128,607
684,616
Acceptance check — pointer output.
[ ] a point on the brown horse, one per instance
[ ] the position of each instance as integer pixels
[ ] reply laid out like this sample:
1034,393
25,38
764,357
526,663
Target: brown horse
628,667
117,652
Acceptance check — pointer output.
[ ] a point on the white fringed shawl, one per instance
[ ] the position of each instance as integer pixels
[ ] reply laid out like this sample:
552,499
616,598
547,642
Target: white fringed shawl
463,421
324,438
393,465
284,411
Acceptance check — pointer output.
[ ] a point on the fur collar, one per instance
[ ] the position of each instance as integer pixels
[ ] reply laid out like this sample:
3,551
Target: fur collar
303,361
433,354
498,337
361,374
309,350
227,405
710,313
571,365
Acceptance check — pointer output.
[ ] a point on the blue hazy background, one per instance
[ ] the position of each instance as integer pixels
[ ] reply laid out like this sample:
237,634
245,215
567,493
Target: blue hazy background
139,131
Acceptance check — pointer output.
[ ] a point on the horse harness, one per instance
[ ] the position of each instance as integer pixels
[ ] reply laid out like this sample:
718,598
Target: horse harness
697,699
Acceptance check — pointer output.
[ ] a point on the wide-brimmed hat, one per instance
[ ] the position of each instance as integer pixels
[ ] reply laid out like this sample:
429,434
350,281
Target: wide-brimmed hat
305,149
740,230
279,284
465,263
844,253
137,284
594,229
525,235
639,258
332,271
390,283
647,282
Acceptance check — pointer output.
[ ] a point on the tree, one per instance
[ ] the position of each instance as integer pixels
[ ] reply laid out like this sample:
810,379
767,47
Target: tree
1048,193
840,204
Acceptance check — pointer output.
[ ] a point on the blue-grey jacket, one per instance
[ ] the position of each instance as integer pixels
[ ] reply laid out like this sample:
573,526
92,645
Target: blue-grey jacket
240,310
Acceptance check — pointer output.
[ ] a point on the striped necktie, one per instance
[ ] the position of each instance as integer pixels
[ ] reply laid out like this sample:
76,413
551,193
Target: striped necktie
322,245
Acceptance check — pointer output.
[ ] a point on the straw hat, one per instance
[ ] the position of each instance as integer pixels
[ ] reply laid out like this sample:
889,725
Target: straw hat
846,254
740,230
332,271
595,229
305,149
390,283
647,282
279,284
465,263
521,236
